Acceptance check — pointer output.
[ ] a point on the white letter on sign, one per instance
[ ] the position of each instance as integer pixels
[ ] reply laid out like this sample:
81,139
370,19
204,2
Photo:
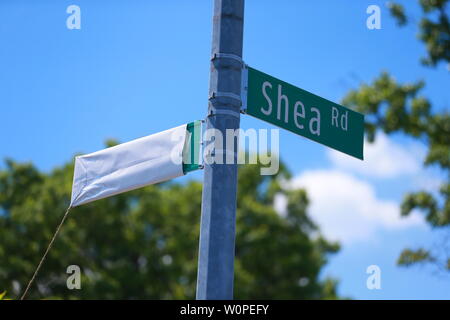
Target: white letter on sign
316,120
269,110
281,98
334,117
344,121
299,114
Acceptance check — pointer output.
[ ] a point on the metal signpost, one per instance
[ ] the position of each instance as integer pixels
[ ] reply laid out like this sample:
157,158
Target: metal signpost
265,98
217,227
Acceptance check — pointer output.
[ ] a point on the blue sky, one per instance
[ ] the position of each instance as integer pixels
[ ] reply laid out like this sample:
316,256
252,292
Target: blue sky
139,67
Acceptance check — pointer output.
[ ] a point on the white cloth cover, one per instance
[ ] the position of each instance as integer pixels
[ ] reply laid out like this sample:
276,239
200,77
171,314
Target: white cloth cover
128,166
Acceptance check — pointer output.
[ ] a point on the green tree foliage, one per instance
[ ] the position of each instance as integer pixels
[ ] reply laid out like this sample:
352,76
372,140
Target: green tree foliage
400,108
434,28
143,244
409,257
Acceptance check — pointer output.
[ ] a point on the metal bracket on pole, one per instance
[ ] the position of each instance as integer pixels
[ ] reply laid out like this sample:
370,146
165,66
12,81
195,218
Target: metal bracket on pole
227,56
230,95
202,145
214,111
244,88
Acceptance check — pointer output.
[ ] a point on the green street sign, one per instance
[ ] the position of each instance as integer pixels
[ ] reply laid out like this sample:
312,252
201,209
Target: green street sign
303,113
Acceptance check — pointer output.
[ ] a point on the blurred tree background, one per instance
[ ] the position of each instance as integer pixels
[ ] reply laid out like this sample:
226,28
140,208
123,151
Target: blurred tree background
400,108
143,244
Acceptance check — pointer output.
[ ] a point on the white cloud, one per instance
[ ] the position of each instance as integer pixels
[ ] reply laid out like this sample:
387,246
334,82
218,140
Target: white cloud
346,208
345,204
383,158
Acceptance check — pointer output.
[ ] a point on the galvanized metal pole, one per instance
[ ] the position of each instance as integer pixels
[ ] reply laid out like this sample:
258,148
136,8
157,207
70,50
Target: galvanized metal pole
218,220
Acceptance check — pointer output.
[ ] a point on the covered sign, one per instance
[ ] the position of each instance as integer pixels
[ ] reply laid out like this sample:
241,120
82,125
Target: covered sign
138,163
